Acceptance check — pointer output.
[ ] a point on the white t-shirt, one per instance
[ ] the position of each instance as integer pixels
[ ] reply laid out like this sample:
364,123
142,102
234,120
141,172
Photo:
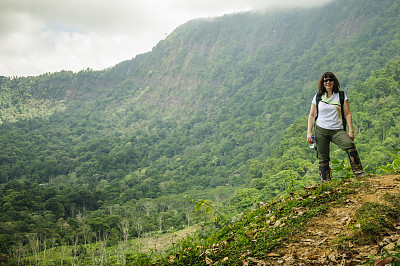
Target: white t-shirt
329,111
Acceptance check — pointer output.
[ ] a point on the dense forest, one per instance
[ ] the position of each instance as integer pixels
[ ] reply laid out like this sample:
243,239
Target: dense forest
216,111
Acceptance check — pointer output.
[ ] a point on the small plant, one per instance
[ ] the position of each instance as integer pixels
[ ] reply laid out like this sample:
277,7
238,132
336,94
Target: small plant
208,208
342,243
393,167
138,259
292,182
342,169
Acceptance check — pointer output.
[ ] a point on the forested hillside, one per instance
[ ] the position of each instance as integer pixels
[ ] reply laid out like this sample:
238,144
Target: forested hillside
215,111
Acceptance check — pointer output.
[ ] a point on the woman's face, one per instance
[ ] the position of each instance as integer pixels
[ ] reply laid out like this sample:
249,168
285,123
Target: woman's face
328,83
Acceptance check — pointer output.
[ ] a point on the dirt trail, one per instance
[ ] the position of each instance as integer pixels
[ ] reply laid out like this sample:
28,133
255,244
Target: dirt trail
315,246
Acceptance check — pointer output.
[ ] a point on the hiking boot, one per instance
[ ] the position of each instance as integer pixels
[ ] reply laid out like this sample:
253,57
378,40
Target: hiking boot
355,162
325,172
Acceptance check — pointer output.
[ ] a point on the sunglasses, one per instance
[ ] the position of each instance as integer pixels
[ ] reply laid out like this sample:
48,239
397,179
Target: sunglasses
328,80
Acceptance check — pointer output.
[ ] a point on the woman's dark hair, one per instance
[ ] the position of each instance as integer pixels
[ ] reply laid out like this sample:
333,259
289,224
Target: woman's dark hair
336,84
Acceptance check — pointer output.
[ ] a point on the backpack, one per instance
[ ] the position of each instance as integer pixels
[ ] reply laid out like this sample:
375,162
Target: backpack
341,99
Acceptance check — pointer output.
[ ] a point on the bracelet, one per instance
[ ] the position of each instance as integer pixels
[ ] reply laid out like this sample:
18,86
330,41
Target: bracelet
351,131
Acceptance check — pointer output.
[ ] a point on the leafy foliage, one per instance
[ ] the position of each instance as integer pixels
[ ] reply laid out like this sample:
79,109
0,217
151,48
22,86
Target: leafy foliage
393,167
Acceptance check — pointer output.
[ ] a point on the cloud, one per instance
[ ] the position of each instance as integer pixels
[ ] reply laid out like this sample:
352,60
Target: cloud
51,35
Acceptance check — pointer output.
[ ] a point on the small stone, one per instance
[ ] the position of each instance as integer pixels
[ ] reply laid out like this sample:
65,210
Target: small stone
374,251
272,255
389,247
313,257
394,238
332,258
385,241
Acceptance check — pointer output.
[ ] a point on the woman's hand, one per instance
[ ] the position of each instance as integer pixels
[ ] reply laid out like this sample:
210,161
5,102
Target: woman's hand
351,135
309,138
349,119
311,120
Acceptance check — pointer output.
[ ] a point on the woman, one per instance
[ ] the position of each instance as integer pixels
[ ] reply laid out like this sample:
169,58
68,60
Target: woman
329,126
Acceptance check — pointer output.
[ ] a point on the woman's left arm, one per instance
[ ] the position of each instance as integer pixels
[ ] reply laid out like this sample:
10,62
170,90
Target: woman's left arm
347,114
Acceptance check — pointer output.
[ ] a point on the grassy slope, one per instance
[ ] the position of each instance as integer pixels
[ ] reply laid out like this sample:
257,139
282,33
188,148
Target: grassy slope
337,222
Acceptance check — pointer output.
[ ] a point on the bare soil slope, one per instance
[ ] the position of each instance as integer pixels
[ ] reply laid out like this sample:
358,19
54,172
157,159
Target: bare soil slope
324,242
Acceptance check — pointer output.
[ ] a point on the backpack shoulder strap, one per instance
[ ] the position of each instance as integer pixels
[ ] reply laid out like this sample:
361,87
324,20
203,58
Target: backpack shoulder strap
318,99
341,96
341,99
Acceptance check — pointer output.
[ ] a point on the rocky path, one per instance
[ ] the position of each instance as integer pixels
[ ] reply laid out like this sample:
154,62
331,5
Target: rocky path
319,244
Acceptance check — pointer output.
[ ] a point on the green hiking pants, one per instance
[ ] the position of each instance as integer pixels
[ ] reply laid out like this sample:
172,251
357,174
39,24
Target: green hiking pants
323,138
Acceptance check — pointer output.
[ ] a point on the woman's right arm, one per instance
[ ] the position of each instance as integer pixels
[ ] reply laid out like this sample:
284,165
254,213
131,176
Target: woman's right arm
311,120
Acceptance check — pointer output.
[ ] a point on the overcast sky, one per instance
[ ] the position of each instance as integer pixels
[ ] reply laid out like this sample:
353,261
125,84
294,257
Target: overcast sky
40,36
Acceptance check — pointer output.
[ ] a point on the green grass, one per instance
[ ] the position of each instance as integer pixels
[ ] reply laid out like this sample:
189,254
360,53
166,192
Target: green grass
375,219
